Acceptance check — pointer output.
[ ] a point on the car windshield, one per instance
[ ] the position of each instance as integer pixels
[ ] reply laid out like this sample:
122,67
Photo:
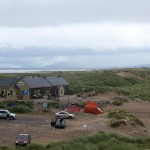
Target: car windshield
63,113
7,111
60,121
22,136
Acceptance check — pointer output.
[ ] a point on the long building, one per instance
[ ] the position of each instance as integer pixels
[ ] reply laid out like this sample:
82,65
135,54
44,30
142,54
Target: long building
33,87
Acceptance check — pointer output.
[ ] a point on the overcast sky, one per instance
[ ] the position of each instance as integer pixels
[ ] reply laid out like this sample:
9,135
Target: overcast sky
74,33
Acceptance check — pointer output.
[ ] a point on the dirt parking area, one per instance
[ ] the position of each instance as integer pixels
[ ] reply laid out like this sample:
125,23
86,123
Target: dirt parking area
38,125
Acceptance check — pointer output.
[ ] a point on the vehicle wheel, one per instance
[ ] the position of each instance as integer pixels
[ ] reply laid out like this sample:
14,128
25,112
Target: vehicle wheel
70,117
11,118
25,144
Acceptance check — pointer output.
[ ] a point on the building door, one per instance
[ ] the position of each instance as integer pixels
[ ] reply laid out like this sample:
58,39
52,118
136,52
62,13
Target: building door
5,93
2,93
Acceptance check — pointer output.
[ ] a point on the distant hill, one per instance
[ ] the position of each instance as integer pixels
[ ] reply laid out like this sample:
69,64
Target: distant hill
143,66
64,65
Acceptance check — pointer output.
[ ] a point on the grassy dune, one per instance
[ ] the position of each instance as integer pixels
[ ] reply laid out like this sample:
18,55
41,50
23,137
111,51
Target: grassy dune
136,85
100,141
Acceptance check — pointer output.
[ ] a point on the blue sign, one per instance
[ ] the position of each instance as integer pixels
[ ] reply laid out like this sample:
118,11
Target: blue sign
45,105
26,92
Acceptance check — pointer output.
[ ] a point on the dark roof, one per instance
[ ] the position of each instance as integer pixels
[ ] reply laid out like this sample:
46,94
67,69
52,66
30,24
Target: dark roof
34,82
37,82
9,82
57,81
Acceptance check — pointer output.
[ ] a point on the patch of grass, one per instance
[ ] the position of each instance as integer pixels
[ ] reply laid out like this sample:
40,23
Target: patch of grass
141,91
44,110
117,122
118,114
20,109
99,141
35,147
121,117
136,120
17,106
118,101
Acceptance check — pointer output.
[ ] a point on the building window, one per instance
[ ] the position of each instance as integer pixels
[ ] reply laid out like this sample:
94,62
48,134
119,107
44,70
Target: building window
56,91
17,92
11,92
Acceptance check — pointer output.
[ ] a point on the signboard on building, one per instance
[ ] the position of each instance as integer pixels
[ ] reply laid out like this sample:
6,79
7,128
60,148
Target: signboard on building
26,92
20,83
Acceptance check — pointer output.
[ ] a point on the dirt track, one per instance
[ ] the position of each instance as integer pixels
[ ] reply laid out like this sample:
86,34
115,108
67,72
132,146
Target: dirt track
38,126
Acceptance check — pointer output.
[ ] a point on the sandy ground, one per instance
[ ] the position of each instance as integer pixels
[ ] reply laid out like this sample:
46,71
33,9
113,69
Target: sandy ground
38,125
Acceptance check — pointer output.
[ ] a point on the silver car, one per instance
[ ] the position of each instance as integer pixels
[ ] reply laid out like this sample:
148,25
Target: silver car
5,114
64,114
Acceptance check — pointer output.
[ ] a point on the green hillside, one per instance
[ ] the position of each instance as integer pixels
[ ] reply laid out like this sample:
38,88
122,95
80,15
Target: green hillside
135,83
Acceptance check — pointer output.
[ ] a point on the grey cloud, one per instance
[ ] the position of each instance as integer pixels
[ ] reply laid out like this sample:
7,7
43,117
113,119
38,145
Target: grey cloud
98,37
84,33
29,13
114,60
38,52
47,52
76,61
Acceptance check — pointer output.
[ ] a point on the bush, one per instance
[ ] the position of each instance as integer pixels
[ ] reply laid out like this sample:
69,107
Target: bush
83,104
118,101
26,103
21,109
45,110
117,122
119,114
133,80
54,104
35,147
2,105
136,120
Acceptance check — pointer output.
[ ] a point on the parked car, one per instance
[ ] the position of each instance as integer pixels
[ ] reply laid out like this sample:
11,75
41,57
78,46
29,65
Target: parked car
64,114
60,123
53,122
23,139
5,114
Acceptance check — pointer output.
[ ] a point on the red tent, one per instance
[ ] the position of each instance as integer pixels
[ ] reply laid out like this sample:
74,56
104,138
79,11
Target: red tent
92,107
73,108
